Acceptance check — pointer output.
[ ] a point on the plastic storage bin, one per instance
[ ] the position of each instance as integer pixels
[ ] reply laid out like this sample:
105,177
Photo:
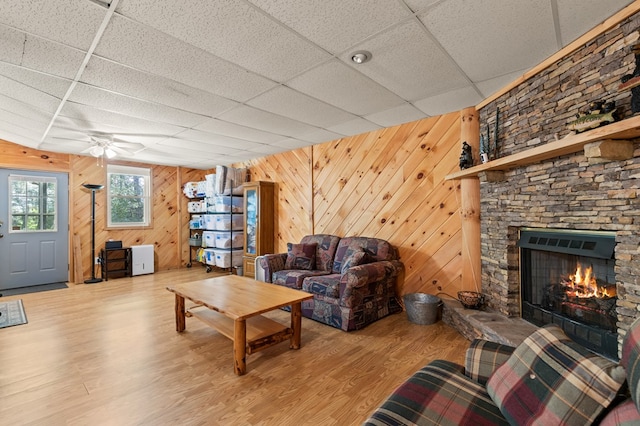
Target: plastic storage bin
196,207
223,203
196,222
223,258
224,222
226,239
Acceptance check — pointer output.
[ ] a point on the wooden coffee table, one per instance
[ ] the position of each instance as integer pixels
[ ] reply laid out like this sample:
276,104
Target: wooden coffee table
232,305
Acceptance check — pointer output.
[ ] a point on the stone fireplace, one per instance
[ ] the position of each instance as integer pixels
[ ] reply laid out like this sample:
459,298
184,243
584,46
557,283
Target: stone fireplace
568,189
568,278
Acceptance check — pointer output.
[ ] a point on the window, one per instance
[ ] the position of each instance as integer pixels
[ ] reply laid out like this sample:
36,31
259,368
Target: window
129,196
33,201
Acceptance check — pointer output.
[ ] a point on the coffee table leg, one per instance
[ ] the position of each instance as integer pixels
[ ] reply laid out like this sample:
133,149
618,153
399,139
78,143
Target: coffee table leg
239,347
296,325
180,317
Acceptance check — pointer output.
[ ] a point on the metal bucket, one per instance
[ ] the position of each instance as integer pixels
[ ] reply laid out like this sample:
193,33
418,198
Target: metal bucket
422,308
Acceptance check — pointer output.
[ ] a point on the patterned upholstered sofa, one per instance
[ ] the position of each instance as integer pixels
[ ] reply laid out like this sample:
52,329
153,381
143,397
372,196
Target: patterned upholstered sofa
547,380
353,280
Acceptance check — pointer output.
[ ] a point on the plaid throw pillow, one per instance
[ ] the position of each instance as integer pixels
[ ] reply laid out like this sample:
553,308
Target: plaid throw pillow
301,256
550,379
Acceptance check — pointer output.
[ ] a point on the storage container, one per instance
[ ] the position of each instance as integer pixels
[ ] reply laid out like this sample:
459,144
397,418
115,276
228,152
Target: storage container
196,207
195,222
228,239
224,203
223,258
224,222
209,222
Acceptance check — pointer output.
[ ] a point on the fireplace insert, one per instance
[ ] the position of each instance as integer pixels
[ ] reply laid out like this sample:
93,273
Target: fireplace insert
568,278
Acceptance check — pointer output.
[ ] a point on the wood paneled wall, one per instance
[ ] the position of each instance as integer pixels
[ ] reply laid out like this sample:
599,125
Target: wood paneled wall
169,230
387,184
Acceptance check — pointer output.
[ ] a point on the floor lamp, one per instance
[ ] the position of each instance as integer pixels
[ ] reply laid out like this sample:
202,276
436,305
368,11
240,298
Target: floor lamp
93,188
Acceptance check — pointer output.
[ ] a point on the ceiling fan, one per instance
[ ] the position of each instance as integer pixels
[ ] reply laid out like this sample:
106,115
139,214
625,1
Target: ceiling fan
104,145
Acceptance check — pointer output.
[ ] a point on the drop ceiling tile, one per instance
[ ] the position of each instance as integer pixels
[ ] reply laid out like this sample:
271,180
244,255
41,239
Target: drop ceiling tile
420,5
320,135
51,58
213,140
408,62
110,101
291,143
153,88
235,130
493,37
335,25
252,40
354,127
28,95
90,119
71,22
398,115
337,84
265,150
152,51
266,121
47,84
10,106
24,130
449,102
576,16
205,148
491,86
297,106
11,44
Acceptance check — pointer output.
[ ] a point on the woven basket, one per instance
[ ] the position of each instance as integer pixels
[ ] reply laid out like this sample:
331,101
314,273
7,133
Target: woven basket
471,299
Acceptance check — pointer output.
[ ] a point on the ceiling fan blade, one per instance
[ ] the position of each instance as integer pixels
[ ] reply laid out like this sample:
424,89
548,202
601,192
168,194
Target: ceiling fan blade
121,151
133,146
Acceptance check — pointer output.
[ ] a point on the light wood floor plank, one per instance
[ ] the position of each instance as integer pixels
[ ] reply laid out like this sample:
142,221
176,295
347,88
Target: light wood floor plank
108,353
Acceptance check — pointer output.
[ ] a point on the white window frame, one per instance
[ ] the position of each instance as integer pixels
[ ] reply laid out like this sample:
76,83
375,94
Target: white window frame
148,205
41,213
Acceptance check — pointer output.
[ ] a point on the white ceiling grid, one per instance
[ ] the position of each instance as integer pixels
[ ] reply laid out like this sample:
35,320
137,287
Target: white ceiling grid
202,83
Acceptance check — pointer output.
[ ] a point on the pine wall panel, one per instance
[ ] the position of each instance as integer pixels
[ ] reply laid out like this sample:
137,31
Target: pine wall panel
387,184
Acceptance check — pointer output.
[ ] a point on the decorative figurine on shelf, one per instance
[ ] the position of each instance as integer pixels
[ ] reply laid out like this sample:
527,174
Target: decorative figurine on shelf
598,114
632,82
466,158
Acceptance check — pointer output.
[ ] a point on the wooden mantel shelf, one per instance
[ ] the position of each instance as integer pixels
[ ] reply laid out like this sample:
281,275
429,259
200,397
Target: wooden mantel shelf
620,130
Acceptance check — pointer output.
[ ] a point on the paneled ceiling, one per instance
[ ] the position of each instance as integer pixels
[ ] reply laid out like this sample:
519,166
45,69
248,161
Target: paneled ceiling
202,83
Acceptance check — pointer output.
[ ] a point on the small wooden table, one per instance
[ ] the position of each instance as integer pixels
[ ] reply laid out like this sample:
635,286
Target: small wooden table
232,305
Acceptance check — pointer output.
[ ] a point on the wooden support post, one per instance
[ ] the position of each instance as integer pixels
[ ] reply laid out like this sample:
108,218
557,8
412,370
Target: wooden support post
470,207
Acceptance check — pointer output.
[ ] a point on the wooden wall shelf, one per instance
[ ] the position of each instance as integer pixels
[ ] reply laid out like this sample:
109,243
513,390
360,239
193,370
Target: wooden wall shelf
620,130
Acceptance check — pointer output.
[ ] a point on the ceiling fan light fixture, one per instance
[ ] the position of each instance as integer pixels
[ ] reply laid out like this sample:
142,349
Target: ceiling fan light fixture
96,151
109,153
360,57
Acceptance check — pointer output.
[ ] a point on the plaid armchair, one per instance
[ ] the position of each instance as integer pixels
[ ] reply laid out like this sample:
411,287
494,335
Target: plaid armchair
548,379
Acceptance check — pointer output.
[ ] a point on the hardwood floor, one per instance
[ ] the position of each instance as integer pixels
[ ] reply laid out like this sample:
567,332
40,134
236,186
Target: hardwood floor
108,354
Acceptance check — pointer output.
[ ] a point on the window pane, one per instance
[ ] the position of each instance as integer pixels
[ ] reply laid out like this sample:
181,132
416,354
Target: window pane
50,205
19,187
33,203
49,222
33,222
18,205
17,223
33,189
127,210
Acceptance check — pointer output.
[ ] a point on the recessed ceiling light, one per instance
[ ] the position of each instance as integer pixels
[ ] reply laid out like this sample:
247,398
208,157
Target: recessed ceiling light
361,57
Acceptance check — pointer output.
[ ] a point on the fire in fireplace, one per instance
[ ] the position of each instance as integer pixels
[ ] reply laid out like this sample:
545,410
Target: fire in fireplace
568,278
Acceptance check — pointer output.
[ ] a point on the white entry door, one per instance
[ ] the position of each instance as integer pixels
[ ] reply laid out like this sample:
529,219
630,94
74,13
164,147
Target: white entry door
34,228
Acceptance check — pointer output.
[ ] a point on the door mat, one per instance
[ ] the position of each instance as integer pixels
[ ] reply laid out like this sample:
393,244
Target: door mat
32,289
12,313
